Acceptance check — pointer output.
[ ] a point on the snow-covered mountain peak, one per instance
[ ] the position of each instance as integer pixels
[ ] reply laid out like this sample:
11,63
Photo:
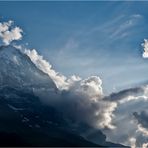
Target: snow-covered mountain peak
17,70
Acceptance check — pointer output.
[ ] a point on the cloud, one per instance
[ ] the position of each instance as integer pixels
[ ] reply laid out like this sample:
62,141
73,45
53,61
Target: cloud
127,95
145,47
133,142
122,30
78,99
82,108
128,101
8,33
145,145
124,94
142,119
43,65
143,130
92,86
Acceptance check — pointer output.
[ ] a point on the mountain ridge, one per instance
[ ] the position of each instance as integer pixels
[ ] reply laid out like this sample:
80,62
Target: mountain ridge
21,62
22,112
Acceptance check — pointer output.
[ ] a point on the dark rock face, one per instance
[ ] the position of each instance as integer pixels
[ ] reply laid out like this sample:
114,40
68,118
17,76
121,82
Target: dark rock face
11,139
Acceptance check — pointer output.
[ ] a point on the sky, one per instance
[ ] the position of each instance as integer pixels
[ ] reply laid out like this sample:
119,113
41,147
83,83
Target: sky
86,38
102,42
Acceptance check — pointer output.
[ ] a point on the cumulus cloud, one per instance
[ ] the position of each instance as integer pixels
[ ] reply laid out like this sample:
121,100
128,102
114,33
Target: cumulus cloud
128,101
145,48
8,33
60,80
83,108
79,99
83,100
145,145
92,85
133,142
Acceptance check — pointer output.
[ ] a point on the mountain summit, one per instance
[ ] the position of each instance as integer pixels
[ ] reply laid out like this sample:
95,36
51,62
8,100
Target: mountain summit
18,71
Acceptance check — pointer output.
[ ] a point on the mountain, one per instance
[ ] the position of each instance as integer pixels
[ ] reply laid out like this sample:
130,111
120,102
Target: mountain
28,122
24,119
18,71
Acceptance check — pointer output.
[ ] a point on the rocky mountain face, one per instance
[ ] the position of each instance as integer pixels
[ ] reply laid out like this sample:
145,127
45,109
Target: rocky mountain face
24,119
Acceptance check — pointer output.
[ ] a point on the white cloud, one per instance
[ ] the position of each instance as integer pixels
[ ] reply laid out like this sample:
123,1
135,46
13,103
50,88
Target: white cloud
142,118
133,98
106,114
59,79
145,47
129,101
92,86
143,130
145,145
8,33
132,142
5,26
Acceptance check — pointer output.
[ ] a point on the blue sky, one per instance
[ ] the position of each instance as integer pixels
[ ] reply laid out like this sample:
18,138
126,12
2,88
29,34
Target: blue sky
86,38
